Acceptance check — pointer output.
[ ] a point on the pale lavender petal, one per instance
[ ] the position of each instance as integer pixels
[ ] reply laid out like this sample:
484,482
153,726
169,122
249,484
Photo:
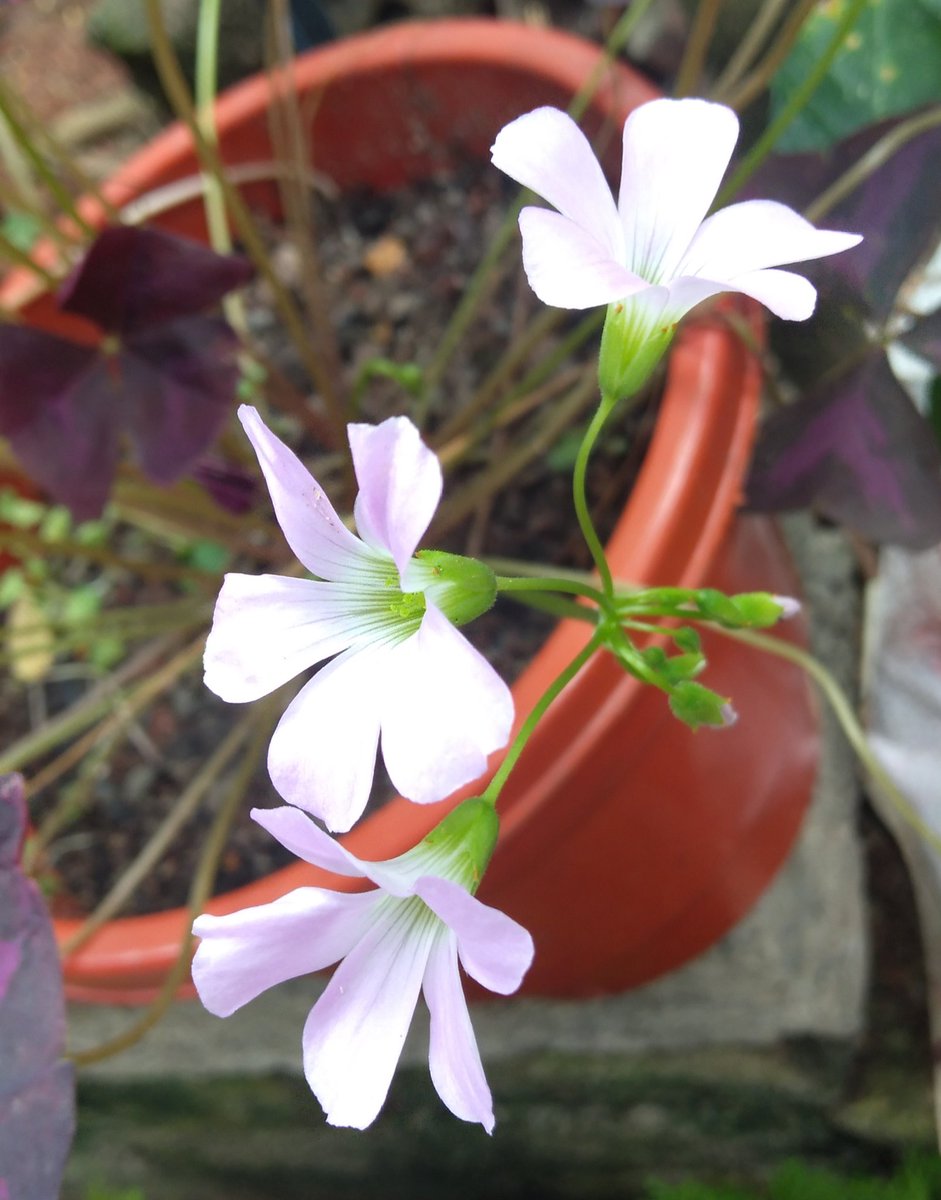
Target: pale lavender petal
298,833
789,296
569,268
494,949
355,1032
453,1057
756,234
268,628
688,291
322,756
399,486
546,151
675,153
448,710
245,953
311,526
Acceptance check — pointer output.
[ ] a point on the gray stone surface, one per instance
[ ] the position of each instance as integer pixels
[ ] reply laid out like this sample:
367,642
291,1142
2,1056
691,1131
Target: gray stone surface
796,966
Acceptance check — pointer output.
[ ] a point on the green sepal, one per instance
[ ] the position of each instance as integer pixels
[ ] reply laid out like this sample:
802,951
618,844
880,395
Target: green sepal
468,836
630,350
463,588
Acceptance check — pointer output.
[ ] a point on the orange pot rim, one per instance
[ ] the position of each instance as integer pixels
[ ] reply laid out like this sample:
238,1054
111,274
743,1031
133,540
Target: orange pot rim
677,516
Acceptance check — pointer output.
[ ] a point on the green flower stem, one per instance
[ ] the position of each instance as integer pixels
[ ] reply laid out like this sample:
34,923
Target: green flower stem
585,522
549,584
200,891
558,606
843,711
492,792
765,144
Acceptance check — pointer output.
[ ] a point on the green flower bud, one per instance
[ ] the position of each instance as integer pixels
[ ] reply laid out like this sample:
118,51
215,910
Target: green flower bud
461,587
696,705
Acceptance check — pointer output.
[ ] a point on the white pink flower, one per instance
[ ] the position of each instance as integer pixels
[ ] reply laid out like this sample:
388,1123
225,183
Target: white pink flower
399,669
406,935
655,248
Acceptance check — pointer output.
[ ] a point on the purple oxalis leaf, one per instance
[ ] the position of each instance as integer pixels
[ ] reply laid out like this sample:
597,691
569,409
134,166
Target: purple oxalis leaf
165,373
37,1102
858,451
133,279
895,209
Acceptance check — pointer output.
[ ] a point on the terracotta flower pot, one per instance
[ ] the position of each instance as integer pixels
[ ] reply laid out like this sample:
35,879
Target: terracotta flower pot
629,843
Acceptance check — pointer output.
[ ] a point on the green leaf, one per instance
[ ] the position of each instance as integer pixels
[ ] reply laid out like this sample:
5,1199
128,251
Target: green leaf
888,65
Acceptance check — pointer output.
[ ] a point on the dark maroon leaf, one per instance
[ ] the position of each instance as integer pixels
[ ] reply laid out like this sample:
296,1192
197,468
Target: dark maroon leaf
35,369
857,451
70,447
166,376
134,278
232,488
178,385
37,1104
896,209
924,338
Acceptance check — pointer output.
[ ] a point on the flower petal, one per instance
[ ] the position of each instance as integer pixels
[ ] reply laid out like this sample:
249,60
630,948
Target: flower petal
298,833
446,712
569,268
546,151
311,526
322,756
675,153
494,949
789,296
268,628
755,234
399,486
453,1057
245,953
354,1035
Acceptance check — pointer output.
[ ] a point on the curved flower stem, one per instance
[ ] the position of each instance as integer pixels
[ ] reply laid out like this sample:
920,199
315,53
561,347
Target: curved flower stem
200,891
759,152
495,786
558,606
579,472
537,583
843,711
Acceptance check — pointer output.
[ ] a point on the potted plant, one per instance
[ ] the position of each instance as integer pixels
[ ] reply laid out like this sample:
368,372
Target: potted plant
677,833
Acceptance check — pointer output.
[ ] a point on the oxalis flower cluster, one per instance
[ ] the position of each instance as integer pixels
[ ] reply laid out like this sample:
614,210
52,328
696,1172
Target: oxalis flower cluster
382,616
